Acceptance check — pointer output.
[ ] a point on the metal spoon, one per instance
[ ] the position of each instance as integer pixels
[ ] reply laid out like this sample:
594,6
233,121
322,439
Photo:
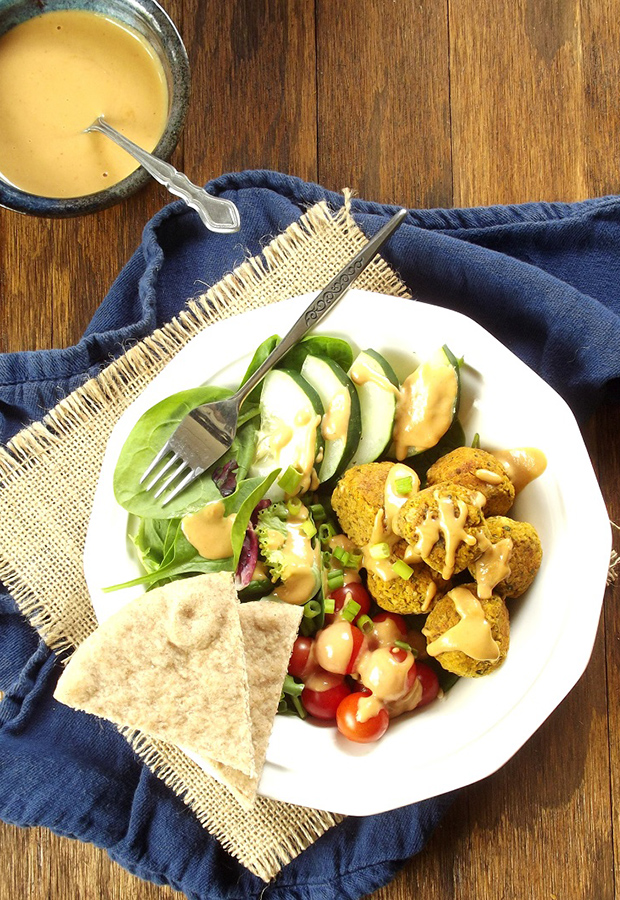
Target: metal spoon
217,214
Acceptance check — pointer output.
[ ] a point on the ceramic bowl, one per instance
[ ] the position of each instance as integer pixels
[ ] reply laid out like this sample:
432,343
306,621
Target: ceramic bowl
481,722
153,23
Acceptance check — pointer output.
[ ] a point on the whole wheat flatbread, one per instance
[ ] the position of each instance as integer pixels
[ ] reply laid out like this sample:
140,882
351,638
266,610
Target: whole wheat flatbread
269,631
172,664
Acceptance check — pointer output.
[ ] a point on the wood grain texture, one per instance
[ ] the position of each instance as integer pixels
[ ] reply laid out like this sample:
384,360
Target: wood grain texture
462,102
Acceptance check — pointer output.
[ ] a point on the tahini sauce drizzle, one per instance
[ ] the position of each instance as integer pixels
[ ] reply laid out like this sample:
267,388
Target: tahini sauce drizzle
493,566
425,407
471,635
209,531
58,72
522,465
298,574
335,421
383,530
445,523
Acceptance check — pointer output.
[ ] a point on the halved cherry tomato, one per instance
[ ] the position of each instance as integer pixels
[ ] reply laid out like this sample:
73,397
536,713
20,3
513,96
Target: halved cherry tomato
400,656
361,732
300,655
324,704
429,682
352,591
398,621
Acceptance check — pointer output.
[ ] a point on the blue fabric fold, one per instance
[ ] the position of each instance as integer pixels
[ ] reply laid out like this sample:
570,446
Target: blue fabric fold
542,277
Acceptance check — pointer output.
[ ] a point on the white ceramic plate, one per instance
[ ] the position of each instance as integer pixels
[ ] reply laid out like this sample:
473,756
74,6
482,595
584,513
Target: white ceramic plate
480,723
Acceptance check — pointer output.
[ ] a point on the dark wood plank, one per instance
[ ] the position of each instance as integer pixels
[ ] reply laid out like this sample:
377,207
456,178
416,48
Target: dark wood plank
517,101
383,100
254,100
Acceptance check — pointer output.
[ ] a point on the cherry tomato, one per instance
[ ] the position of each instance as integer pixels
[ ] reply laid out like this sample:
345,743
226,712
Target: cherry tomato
401,655
352,591
429,682
398,621
324,704
299,657
359,646
361,732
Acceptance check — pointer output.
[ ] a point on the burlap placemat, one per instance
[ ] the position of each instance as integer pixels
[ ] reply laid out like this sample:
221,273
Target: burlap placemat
48,474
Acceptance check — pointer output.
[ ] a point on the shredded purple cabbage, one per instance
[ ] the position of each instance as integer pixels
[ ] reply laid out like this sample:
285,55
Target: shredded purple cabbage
247,558
262,504
225,479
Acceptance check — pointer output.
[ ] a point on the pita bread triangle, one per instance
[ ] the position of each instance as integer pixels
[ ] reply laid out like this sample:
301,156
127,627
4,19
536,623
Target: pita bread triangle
269,631
171,663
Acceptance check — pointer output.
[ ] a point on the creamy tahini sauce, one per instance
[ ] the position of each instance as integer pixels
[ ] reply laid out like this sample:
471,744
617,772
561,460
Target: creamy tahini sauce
298,573
333,647
58,72
335,421
471,635
425,408
307,424
383,568
447,523
488,477
383,672
493,566
392,499
522,465
209,531
361,373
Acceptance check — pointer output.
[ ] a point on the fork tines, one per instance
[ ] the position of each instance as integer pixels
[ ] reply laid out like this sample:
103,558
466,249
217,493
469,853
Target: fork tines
176,473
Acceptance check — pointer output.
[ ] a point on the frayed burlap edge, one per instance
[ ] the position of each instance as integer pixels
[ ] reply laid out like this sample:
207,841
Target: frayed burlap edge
42,536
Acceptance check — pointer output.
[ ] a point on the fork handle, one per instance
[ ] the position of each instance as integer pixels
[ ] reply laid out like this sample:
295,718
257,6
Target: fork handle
324,301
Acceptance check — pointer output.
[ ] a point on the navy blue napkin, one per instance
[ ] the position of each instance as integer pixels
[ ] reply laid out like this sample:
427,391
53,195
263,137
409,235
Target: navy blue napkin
544,278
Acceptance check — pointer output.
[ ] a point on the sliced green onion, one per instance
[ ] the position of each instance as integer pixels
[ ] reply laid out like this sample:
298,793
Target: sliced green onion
403,645
335,579
404,485
476,441
294,506
329,605
365,624
339,553
291,687
380,551
312,609
318,512
326,558
326,532
355,561
350,610
402,569
290,480
309,528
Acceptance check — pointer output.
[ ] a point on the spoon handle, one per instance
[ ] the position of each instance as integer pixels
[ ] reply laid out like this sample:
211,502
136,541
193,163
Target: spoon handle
217,214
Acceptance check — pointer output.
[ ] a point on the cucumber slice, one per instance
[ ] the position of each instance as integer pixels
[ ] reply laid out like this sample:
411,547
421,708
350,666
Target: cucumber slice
290,433
377,390
431,397
342,413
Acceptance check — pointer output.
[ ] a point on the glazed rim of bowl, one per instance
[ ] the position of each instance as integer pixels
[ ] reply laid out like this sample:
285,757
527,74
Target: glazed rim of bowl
152,22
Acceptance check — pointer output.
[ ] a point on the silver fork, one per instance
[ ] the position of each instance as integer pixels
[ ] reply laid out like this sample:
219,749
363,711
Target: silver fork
207,432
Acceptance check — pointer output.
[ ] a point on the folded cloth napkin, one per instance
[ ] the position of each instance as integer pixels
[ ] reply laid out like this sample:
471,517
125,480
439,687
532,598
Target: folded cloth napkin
542,277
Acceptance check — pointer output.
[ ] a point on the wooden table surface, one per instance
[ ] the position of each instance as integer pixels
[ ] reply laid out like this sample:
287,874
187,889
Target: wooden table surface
432,103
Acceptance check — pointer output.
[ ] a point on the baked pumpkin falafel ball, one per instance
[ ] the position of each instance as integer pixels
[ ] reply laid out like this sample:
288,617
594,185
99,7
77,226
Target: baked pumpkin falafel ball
443,525
409,596
478,470
525,554
494,623
358,497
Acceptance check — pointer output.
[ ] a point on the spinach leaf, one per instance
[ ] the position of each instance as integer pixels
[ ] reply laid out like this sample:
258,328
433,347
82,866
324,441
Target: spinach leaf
166,554
146,439
260,355
319,345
